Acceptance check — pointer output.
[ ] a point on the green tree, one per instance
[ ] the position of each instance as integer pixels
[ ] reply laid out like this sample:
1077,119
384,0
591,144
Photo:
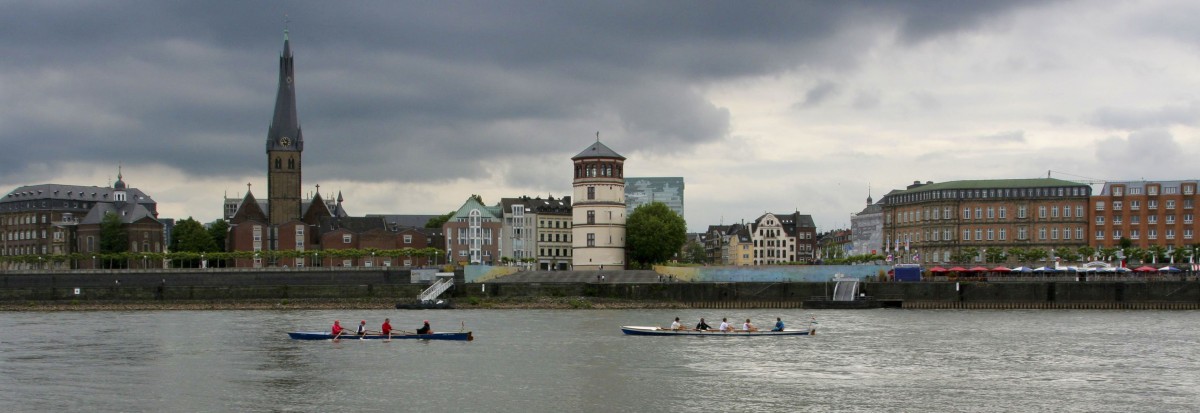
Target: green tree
654,233
114,241
995,255
219,231
694,253
1125,243
190,236
438,221
113,236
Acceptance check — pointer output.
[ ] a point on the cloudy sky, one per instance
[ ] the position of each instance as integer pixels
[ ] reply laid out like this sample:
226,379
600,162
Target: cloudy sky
409,108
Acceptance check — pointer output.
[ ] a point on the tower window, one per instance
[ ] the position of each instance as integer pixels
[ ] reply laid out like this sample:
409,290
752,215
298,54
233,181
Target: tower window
278,163
291,164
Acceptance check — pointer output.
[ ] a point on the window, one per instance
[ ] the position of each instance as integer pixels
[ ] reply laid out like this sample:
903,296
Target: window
1187,218
1189,190
979,235
1117,205
1170,190
1170,219
978,213
966,235
1133,233
591,192
1003,212
1099,219
1152,233
1100,205
591,217
591,239
936,214
1066,212
991,233
1054,211
1152,219
946,235
1136,219
946,212
1135,205
1135,191
1053,233
346,239
1042,233
1022,233
1152,190
991,212
1079,211
1171,204
1170,233
1117,219
1079,233
1099,234
966,213
408,238
1187,233
1152,204
1116,234
1042,212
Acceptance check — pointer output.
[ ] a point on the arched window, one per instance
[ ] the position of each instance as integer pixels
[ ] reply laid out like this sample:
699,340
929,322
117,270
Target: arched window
278,164
291,164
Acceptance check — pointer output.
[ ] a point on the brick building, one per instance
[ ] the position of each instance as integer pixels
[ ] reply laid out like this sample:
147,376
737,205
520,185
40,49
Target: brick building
1148,213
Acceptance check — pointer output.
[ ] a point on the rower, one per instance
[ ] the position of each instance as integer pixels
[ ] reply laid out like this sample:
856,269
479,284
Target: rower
336,331
675,325
425,329
362,328
386,328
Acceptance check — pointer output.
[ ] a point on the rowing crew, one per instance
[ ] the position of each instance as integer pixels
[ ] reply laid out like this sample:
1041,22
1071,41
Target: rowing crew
386,329
726,327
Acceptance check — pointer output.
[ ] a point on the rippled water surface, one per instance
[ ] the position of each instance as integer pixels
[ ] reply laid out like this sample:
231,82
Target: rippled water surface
578,360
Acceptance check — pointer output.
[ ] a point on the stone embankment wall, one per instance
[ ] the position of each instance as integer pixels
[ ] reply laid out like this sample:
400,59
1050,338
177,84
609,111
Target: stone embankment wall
397,284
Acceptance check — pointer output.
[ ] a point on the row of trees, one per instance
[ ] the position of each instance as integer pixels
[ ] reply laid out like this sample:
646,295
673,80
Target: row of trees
192,259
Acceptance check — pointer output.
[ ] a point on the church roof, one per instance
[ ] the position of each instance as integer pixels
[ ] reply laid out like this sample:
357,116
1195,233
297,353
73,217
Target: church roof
598,150
285,133
128,212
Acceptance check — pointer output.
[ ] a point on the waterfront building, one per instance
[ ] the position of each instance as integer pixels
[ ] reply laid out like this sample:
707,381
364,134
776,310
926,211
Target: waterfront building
834,244
866,229
473,234
939,222
738,247
644,190
714,242
598,216
537,232
55,221
783,238
1148,213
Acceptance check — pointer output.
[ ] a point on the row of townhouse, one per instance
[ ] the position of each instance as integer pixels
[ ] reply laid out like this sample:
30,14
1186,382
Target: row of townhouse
931,222
771,239
529,231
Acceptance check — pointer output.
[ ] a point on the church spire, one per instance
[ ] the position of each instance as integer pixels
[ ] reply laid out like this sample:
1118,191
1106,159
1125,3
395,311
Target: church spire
285,134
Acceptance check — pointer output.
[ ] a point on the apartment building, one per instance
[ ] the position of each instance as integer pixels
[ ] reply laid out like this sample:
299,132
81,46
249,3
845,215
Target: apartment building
1148,213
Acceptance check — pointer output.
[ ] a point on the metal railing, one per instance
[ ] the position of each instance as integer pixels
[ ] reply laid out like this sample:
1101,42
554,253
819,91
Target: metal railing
436,289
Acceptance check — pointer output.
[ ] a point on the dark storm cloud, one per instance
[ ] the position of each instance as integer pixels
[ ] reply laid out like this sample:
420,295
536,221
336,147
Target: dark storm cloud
423,91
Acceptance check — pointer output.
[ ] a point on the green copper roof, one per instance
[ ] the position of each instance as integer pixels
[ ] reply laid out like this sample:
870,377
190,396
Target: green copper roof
991,184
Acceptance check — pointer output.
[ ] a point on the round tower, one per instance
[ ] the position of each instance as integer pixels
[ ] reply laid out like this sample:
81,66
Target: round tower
598,210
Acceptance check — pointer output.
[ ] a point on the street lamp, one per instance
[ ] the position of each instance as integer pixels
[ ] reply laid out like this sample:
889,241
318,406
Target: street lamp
203,262
93,262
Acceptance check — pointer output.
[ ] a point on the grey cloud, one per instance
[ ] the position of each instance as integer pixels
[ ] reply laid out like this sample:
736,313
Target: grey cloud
1151,154
1134,119
817,95
416,92
1003,137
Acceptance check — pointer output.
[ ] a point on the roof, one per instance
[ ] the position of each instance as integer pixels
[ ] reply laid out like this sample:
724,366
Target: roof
991,184
417,221
128,212
598,150
72,193
285,123
464,212
355,225
1107,190
537,205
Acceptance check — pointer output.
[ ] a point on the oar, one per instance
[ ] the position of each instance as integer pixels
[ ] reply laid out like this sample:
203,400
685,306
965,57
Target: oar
339,335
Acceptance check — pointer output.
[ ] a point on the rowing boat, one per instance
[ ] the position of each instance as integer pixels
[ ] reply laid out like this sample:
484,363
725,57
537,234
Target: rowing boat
659,331
325,335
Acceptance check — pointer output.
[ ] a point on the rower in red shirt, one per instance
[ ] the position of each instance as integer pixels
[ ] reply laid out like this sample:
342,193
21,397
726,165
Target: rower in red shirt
337,329
386,328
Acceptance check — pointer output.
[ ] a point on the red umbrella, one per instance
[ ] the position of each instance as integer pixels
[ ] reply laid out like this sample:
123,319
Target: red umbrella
978,269
958,269
937,269
1002,269
1145,268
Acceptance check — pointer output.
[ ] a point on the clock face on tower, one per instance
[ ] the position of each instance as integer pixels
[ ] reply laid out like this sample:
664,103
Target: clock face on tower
285,141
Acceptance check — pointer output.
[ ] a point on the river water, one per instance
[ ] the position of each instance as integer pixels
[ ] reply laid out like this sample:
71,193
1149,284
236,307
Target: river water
577,360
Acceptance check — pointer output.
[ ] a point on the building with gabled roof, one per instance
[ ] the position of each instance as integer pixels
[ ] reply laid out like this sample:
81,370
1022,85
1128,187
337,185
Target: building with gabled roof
473,234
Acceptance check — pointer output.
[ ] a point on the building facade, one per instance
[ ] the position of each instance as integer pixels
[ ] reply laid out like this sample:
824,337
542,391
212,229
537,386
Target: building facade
537,232
866,229
473,234
598,215
54,221
936,222
642,191
1148,213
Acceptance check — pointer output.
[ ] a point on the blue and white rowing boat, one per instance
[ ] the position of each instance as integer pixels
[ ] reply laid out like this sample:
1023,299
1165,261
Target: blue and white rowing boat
325,335
659,331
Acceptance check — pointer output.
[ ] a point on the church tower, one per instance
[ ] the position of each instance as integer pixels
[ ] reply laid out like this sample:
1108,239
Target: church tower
598,213
285,143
